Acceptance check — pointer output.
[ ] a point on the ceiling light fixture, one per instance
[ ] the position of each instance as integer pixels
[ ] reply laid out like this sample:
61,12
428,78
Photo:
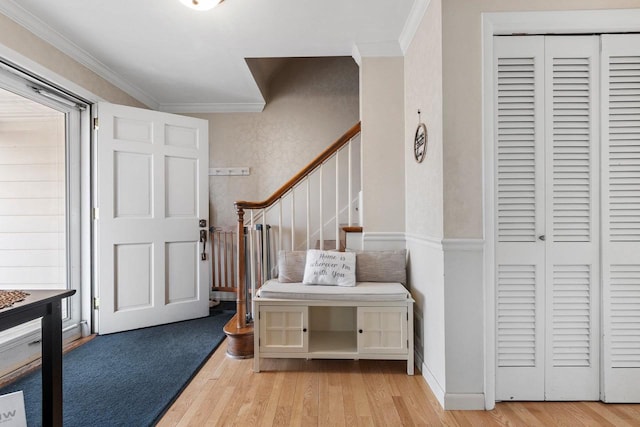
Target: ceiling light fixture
201,4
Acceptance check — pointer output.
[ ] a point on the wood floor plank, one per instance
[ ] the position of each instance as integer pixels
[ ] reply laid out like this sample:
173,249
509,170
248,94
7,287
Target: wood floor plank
310,393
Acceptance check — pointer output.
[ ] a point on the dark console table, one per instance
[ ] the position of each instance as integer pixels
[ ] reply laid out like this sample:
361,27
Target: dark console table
48,305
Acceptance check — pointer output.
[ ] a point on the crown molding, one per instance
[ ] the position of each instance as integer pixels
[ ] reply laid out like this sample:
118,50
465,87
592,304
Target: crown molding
389,48
412,23
246,107
23,18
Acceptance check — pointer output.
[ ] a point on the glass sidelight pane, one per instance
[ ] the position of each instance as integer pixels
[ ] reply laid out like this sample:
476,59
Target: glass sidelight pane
33,253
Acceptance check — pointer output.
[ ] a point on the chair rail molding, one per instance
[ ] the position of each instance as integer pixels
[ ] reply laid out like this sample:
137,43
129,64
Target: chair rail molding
379,240
432,242
463,244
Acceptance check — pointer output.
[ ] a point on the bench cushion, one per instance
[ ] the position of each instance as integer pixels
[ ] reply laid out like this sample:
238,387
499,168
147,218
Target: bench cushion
363,291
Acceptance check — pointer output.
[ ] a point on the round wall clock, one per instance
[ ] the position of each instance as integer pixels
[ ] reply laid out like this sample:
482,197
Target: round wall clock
420,143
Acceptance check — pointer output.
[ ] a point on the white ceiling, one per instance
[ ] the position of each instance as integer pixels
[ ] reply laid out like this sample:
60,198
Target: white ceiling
173,58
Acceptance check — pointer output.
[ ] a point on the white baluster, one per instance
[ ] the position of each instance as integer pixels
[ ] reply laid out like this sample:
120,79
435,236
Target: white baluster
265,249
252,255
321,213
279,225
337,159
349,184
293,220
308,187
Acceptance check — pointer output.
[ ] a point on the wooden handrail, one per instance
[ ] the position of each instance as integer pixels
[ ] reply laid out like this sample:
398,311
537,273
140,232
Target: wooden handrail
333,148
241,318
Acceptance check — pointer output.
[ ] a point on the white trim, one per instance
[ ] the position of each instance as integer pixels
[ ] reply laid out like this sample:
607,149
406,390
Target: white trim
463,244
247,107
380,236
466,402
563,22
86,280
495,23
412,23
355,54
37,69
433,384
389,48
17,14
432,242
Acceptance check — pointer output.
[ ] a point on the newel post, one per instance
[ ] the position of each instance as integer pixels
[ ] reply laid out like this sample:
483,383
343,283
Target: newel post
241,306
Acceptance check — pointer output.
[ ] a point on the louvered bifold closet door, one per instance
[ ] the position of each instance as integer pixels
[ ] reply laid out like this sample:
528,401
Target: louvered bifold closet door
572,292
621,217
519,182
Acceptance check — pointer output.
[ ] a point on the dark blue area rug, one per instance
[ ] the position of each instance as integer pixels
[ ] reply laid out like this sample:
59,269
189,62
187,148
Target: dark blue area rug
128,378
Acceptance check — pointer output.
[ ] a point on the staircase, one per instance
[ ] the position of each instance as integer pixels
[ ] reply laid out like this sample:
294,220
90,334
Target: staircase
309,211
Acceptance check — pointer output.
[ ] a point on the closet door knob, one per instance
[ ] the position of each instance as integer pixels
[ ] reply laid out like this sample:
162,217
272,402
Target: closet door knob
360,331
542,237
304,329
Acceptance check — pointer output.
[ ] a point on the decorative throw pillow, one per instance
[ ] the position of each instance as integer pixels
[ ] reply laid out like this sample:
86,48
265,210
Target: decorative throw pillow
382,266
330,268
291,266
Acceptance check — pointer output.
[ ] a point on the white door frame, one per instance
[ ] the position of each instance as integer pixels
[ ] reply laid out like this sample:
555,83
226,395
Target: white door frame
506,23
86,279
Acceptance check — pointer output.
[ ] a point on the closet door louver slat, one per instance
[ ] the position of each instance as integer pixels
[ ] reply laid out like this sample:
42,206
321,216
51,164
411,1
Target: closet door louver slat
625,316
571,150
571,344
516,150
621,222
624,148
516,315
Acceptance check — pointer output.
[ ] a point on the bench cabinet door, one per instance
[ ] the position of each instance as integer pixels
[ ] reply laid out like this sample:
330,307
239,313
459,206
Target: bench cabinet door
382,330
284,329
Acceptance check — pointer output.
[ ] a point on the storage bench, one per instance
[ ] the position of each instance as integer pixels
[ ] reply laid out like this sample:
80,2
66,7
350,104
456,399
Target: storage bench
373,320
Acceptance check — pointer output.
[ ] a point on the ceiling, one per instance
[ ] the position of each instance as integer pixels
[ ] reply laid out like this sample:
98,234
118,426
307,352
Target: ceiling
176,59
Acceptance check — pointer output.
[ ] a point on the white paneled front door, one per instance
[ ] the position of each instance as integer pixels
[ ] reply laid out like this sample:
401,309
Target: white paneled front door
152,192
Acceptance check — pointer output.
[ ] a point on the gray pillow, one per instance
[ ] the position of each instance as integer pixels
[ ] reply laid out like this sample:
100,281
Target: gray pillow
291,266
381,266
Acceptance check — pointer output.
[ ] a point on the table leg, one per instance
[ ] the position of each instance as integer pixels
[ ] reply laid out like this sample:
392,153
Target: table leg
52,365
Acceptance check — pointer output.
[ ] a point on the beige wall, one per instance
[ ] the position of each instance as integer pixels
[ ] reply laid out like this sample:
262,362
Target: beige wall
462,71
27,44
423,91
382,115
312,102
424,207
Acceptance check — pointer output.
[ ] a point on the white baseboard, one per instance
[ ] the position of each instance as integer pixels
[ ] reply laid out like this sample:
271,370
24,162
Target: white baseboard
433,384
464,402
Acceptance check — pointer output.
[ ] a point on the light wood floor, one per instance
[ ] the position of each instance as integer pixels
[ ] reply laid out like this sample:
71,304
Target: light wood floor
296,392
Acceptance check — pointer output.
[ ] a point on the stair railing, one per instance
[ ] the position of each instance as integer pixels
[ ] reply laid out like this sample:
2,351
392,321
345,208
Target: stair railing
344,157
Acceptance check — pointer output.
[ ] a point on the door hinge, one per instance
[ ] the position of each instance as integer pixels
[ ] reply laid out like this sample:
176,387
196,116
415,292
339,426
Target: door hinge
96,123
96,213
96,303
